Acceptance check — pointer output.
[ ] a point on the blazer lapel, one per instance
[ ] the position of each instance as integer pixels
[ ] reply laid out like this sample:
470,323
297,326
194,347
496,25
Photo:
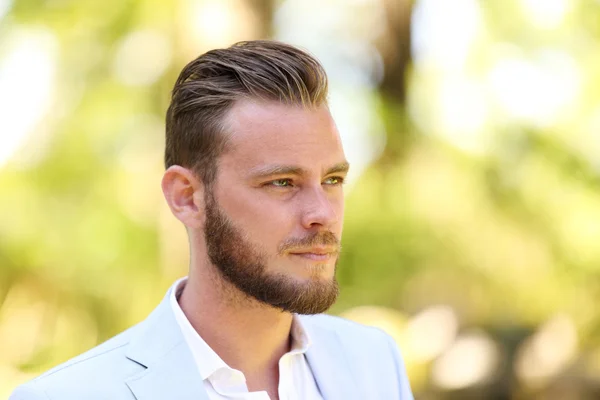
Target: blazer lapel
329,364
175,377
171,372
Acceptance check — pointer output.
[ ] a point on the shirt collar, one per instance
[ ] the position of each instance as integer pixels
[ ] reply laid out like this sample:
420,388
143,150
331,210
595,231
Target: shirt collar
300,339
207,360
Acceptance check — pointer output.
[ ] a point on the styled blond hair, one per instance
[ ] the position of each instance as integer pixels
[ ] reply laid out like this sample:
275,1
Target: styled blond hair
209,86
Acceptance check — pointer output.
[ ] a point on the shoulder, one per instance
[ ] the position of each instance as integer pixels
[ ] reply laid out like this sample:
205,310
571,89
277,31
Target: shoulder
369,349
350,331
98,367
357,341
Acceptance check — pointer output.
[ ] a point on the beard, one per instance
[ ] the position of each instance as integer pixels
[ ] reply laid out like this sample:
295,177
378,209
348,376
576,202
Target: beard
245,266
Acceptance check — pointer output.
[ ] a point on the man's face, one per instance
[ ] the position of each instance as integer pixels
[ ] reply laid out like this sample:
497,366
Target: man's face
275,211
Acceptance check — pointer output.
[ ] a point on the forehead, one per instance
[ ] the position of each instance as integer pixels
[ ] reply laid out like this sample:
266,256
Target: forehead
274,133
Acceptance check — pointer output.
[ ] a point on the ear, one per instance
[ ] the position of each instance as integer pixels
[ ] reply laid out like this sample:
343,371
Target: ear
184,193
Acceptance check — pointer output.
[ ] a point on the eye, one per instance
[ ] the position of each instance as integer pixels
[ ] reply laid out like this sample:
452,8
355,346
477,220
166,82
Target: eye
334,180
281,183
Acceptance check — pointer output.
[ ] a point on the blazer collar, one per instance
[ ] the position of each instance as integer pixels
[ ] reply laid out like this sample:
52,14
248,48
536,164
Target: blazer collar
330,364
171,371
170,368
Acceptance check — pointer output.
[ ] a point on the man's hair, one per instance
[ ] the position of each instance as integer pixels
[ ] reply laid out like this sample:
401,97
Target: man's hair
208,87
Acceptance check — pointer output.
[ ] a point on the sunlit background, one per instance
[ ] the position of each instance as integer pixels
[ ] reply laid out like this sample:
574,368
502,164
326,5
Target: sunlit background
473,210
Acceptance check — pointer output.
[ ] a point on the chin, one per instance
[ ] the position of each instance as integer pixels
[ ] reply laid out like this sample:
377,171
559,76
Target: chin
304,270
318,272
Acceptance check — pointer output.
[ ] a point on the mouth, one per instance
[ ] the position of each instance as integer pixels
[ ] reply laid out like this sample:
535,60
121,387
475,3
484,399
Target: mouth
315,254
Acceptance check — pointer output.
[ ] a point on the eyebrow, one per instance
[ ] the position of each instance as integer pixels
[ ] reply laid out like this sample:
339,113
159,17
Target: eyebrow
271,170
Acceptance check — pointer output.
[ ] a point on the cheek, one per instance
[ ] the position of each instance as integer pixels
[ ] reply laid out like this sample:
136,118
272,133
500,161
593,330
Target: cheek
265,221
340,213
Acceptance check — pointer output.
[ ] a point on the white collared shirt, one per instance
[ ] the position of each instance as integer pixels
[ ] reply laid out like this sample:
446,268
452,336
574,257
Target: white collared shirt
296,381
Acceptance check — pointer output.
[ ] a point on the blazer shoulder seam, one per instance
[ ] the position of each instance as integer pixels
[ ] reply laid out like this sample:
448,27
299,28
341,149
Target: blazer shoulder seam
350,323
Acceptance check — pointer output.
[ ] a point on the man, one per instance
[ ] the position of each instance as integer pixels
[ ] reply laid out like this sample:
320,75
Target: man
255,168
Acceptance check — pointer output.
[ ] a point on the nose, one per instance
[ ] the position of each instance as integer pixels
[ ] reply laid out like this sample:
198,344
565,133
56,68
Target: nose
320,209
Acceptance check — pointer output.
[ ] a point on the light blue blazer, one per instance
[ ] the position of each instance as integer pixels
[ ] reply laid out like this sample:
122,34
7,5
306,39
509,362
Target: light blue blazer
152,361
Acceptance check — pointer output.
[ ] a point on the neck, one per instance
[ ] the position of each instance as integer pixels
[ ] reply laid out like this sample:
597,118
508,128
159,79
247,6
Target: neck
248,335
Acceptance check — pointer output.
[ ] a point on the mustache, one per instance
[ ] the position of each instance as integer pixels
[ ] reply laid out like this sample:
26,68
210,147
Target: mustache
326,238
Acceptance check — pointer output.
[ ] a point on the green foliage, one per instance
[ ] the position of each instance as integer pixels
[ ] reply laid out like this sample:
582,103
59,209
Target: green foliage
507,236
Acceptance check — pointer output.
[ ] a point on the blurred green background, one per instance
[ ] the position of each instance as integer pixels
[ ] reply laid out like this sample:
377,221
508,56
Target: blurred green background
473,209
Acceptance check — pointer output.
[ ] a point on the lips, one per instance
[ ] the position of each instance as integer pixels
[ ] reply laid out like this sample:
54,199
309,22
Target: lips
313,256
315,253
